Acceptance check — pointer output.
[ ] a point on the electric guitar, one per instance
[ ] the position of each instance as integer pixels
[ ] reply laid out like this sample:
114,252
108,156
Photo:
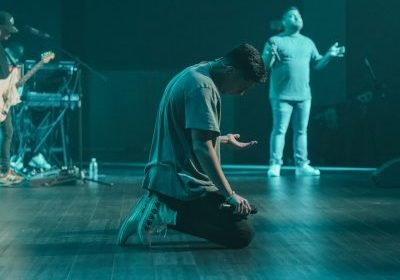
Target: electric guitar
8,87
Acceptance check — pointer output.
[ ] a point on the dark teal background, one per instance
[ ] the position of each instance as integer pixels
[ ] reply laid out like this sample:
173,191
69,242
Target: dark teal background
140,45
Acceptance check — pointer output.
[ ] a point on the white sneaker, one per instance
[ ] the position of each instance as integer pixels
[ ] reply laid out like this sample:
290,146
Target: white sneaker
39,161
274,170
129,226
155,219
16,163
307,170
10,178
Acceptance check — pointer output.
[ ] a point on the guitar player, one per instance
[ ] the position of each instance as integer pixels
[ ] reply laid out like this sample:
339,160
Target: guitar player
10,95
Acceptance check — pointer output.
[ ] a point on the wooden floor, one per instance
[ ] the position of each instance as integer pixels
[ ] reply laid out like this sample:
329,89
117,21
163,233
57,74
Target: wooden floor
340,226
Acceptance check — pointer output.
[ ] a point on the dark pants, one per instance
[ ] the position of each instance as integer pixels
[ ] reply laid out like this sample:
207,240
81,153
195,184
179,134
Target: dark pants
203,218
6,132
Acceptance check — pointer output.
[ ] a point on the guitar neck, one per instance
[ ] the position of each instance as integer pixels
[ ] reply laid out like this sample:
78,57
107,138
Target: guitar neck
30,73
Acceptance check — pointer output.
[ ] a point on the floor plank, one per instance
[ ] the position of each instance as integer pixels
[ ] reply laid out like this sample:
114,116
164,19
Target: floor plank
340,226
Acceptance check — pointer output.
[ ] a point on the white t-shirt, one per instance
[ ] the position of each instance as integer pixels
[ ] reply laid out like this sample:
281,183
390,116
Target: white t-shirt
290,76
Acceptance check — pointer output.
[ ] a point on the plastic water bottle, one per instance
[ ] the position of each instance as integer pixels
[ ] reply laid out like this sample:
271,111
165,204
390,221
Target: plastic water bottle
93,169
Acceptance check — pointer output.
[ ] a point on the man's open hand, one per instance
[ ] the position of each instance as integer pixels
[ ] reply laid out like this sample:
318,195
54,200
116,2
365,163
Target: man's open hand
232,139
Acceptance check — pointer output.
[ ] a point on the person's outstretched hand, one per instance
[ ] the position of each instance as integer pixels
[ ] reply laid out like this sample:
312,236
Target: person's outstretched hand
233,140
337,51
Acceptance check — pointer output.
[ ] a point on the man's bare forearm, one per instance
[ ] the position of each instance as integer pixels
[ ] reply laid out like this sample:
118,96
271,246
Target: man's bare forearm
209,161
321,63
269,60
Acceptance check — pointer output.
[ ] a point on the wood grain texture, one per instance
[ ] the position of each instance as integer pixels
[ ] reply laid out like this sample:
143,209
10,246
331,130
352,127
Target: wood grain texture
340,226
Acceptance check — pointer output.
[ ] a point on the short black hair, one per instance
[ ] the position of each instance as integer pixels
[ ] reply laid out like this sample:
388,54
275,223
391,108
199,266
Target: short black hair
247,59
290,9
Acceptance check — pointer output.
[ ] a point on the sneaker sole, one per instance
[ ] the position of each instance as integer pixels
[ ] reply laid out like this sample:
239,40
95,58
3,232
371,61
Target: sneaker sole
127,228
16,182
306,174
142,222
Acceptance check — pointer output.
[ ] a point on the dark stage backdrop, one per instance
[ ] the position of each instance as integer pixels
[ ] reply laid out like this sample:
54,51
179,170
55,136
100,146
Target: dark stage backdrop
140,45
152,40
373,81
364,129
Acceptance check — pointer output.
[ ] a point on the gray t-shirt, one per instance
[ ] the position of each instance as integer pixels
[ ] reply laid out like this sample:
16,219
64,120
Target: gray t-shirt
290,76
190,101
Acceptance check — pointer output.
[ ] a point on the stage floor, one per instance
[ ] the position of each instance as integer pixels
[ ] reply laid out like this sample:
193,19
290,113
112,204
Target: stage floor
340,226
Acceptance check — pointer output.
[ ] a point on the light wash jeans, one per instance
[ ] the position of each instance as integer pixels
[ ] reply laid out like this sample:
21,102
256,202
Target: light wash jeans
6,133
282,112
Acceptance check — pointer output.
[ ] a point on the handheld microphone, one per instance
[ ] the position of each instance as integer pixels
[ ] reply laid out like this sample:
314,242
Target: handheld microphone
276,54
37,32
228,207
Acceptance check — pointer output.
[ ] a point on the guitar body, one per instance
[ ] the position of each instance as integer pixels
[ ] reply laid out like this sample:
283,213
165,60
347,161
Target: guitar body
9,95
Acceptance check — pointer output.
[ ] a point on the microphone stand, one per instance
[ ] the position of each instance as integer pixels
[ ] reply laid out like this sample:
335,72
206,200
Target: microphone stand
377,88
79,62
85,65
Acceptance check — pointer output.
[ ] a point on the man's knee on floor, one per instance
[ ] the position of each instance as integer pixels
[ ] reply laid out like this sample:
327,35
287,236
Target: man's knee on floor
240,238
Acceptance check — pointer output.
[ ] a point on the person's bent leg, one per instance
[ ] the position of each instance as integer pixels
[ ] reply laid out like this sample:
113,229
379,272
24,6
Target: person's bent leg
203,218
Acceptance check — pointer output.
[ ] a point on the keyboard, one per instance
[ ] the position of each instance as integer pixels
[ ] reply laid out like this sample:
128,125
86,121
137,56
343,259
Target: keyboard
43,99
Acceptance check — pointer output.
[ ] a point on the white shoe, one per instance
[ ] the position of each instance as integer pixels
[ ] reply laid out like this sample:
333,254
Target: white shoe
10,178
39,161
274,170
155,219
307,170
129,226
16,163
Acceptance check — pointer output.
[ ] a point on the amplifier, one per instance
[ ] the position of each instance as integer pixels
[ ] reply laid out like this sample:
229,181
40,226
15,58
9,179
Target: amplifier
52,77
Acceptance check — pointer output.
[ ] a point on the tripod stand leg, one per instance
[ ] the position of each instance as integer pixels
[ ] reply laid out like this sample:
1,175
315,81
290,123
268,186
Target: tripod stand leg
80,120
110,184
63,140
60,117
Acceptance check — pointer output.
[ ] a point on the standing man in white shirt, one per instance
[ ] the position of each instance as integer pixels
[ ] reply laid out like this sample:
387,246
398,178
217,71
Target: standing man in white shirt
288,56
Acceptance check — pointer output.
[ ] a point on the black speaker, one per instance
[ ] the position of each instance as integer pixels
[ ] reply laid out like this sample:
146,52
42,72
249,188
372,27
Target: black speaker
388,175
